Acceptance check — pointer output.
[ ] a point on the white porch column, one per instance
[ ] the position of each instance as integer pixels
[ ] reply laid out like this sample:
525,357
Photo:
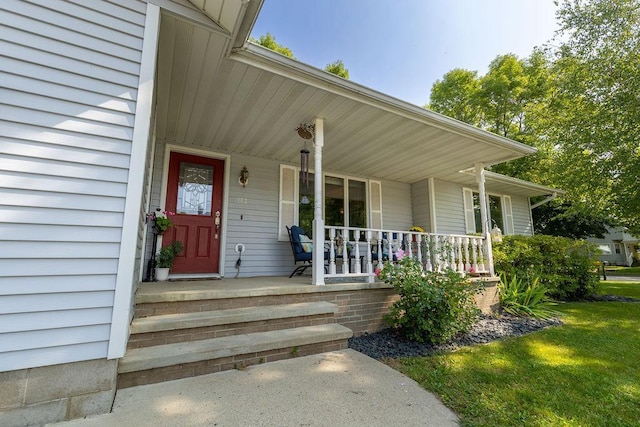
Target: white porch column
486,230
317,277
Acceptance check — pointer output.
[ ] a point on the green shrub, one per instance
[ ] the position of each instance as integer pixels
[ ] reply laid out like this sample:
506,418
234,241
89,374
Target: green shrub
524,298
167,254
564,266
433,306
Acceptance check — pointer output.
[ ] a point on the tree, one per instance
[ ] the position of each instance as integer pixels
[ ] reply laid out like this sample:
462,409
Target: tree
337,68
269,41
561,218
578,104
456,95
596,108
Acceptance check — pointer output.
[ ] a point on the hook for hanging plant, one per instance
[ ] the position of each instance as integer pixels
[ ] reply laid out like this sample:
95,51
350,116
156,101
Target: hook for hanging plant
306,130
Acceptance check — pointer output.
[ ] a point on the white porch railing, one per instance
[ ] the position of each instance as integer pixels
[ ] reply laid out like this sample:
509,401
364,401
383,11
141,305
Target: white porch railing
355,252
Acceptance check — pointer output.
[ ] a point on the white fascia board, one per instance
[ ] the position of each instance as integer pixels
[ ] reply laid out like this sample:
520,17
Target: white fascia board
266,59
522,183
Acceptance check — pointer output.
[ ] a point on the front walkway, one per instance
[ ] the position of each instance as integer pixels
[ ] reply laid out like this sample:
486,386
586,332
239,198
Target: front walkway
343,388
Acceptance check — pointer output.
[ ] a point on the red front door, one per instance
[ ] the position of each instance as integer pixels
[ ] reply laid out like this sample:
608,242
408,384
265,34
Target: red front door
194,193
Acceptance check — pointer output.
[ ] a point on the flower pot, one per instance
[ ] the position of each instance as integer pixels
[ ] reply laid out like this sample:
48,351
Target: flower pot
162,274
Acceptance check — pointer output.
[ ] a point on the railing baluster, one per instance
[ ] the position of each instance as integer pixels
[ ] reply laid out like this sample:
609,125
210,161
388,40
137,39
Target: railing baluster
452,253
369,268
332,250
379,249
419,250
467,264
345,253
356,254
434,252
427,249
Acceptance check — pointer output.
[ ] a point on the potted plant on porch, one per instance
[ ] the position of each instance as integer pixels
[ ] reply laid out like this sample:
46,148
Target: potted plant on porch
165,258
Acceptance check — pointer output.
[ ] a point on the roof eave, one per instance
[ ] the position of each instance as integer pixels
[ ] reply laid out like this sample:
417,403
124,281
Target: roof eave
269,60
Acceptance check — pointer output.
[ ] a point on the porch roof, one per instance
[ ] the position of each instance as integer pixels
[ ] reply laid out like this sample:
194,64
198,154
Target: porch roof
503,184
252,101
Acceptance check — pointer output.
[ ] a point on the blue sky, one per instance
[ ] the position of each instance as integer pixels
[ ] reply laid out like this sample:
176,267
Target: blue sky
401,47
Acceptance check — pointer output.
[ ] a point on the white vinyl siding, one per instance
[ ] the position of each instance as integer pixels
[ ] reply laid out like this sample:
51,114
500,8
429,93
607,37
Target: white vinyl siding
420,204
69,73
396,205
449,207
252,219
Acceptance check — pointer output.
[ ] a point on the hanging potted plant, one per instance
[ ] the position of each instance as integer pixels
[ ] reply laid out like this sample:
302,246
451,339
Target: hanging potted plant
165,258
160,221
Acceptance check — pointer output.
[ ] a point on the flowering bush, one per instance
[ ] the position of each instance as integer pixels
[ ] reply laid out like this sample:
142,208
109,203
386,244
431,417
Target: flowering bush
433,306
161,220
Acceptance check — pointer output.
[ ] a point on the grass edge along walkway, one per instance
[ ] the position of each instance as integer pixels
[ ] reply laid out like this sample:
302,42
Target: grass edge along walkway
584,373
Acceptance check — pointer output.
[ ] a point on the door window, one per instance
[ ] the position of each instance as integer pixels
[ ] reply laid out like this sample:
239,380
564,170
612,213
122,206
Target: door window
195,187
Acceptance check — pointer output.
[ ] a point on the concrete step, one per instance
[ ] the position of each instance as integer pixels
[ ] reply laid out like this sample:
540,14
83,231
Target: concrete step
168,322
195,351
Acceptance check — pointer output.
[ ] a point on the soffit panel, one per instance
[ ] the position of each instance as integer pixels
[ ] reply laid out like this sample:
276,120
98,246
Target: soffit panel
207,100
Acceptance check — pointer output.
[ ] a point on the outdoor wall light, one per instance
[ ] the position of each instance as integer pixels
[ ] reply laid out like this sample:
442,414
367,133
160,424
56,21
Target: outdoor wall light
496,234
243,179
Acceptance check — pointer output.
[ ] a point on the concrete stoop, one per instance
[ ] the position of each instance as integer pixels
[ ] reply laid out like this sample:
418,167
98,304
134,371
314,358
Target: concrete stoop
172,346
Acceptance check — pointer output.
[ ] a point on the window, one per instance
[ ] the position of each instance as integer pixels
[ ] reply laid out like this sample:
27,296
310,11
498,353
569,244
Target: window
605,248
346,201
617,248
500,212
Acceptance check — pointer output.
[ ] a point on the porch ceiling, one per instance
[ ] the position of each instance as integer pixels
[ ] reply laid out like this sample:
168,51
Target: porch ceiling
252,102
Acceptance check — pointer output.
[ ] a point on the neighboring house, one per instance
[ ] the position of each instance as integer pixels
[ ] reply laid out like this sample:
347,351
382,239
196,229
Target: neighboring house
110,109
618,247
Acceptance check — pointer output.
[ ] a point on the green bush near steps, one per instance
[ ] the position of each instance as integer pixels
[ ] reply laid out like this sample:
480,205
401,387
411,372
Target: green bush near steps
564,266
433,306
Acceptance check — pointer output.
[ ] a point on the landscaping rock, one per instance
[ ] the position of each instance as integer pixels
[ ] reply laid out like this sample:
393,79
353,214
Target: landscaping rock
612,298
387,343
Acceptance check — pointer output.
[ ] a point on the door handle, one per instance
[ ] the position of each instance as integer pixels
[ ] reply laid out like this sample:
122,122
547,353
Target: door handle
216,221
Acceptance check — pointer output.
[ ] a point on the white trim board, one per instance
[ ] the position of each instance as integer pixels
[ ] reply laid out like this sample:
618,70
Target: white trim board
123,295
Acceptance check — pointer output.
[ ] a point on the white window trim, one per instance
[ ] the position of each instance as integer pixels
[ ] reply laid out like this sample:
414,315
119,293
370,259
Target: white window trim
507,226
282,235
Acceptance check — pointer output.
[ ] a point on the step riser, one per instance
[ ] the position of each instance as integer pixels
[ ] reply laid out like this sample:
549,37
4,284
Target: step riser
175,307
186,370
217,331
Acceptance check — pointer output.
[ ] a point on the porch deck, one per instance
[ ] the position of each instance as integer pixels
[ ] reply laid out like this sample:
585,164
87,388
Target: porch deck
191,290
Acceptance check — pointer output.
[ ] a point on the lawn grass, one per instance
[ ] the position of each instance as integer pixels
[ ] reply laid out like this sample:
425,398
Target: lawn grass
626,289
622,271
584,373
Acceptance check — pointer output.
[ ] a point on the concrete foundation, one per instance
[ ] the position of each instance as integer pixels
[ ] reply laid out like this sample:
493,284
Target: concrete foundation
55,393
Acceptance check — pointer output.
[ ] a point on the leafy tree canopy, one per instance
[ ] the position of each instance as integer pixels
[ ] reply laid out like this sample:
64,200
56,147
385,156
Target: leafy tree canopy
337,68
269,41
456,95
578,104
561,218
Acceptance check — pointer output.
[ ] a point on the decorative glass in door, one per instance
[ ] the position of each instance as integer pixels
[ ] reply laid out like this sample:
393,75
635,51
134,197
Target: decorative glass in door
195,187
